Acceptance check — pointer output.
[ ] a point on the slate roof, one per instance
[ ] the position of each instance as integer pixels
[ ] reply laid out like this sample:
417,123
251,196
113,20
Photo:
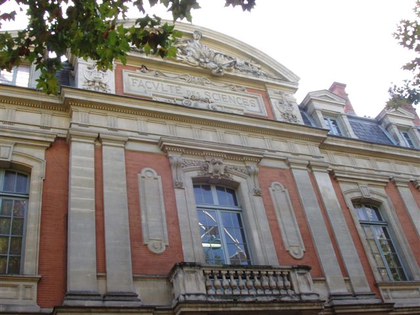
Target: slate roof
369,130
366,129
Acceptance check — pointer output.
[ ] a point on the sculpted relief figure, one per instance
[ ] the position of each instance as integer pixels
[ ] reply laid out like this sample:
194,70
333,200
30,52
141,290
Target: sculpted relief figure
195,53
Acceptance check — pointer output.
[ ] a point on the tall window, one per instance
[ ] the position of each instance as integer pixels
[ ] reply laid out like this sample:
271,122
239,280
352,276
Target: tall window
380,243
221,226
13,206
332,125
18,76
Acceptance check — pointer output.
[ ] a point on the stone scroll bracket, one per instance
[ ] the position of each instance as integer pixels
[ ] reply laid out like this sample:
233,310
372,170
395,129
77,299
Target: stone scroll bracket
287,220
152,207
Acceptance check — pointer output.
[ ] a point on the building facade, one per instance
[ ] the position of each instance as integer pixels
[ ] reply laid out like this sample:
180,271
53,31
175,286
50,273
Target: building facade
198,185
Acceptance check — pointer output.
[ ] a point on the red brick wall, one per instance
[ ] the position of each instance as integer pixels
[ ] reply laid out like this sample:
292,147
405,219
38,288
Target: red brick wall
405,220
145,262
53,239
267,176
355,237
267,104
99,213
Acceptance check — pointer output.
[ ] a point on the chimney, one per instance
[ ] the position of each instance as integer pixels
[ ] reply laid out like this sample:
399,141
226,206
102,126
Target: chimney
340,90
412,110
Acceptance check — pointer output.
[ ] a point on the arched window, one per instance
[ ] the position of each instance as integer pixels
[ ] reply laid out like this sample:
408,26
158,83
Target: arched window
14,188
380,243
221,226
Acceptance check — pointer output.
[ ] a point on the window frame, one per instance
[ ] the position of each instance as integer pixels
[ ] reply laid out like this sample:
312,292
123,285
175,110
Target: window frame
383,224
13,195
362,193
408,139
328,121
219,209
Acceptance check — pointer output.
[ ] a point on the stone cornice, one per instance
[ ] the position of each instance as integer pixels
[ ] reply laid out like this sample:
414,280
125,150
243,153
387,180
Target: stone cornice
360,147
169,112
177,146
18,96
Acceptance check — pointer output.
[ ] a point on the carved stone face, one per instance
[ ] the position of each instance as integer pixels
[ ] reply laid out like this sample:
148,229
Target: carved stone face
197,35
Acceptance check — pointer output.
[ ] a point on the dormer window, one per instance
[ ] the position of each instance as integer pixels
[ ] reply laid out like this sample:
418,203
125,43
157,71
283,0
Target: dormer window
19,76
333,126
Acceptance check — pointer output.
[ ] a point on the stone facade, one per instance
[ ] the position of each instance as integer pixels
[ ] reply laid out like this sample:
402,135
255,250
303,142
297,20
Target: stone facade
116,165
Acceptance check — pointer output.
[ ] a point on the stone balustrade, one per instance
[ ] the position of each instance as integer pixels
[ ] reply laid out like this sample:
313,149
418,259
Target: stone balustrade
248,282
199,283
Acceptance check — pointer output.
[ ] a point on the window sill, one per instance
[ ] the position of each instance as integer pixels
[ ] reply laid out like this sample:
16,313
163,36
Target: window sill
402,293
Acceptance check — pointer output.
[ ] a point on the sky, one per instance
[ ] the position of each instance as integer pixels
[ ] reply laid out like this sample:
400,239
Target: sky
321,41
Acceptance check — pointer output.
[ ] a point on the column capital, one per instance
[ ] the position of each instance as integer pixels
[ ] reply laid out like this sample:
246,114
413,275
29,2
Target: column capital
297,164
113,141
319,166
81,136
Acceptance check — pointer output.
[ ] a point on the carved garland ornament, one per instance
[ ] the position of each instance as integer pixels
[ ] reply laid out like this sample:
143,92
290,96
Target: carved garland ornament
195,53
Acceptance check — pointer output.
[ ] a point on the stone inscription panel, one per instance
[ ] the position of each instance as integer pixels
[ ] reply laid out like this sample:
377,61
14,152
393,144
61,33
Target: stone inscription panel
193,91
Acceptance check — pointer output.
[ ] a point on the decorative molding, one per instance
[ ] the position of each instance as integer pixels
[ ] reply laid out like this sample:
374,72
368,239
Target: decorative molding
6,152
195,53
215,168
176,166
364,189
287,220
96,80
153,215
253,174
285,107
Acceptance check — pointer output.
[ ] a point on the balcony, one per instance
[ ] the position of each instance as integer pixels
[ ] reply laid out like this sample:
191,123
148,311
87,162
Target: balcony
204,288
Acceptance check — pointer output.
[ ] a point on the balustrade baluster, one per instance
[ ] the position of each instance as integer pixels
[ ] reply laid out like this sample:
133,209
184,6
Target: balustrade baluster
233,283
264,283
249,283
287,283
272,283
217,284
241,283
209,284
280,282
257,282
225,283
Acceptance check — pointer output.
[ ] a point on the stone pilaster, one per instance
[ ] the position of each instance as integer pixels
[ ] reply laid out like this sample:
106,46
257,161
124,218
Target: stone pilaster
318,228
119,278
81,261
341,232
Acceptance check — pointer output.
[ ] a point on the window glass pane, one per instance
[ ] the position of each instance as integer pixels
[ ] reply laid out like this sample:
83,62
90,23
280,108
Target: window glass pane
9,181
384,274
16,246
22,77
203,194
4,245
4,226
361,214
231,196
6,207
14,265
222,196
22,183
197,194
3,264
17,228
6,77
19,208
